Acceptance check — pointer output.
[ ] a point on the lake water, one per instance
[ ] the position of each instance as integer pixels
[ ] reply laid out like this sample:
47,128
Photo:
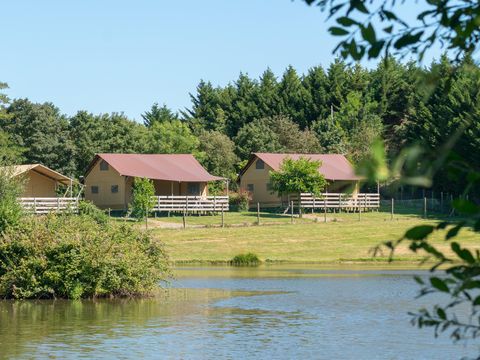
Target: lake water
271,312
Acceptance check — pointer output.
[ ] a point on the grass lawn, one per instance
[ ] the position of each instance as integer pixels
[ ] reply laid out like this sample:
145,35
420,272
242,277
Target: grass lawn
343,238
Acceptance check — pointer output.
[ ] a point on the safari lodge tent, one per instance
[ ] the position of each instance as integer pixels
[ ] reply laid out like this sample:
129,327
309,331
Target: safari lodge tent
109,178
255,176
40,181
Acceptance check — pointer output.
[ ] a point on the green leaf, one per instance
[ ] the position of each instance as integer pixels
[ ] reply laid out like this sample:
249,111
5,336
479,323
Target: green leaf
368,33
346,21
338,31
407,39
419,280
476,302
439,284
388,29
463,254
375,49
453,232
419,232
389,15
359,5
441,313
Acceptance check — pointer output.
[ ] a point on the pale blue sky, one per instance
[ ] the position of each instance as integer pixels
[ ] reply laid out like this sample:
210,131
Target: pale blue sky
118,55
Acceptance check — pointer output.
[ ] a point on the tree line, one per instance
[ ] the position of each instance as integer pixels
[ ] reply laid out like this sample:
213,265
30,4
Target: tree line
339,109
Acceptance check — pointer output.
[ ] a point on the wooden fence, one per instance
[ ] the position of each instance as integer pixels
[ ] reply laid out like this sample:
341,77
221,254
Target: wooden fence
191,203
339,201
46,205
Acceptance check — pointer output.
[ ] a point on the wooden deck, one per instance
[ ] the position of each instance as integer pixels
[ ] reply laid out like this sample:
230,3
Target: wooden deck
45,205
191,203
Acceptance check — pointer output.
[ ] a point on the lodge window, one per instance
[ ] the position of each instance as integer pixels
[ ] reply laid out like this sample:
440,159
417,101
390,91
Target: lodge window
94,189
103,166
114,189
250,187
259,165
193,189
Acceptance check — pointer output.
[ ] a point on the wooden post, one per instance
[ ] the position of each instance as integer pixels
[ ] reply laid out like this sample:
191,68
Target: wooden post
313,205
258,213
223,217
184,219
214,203
299,206
325,209
425,207
186,206
359,209
291,211
393,202
339,203
58,204
34,206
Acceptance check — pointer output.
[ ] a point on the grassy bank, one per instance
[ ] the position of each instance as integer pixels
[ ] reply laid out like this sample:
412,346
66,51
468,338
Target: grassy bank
344,238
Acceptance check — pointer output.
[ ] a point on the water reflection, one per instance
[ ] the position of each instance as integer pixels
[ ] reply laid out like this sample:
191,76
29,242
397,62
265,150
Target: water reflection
271,312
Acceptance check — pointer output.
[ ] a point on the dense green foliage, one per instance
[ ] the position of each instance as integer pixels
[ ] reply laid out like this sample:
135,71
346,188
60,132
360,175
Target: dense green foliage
89,209
10,209
239,201
248,259
339,109
142,192
76,257
298,176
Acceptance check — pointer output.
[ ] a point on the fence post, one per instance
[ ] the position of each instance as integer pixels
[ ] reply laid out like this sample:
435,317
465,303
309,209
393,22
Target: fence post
299,206
58,204
291,211
186,206
34,206
340,203
313,206
325,209
359,201
393,201
184,215
258,213
425,207
223,217
214,203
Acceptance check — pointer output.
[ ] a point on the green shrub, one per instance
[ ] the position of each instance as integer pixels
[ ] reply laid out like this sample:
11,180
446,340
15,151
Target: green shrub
249,259
10,190
239,201
76,257
142,203
89,209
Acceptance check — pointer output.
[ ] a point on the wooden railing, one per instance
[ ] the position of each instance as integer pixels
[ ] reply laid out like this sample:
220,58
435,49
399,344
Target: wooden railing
340,201
45,205
191,203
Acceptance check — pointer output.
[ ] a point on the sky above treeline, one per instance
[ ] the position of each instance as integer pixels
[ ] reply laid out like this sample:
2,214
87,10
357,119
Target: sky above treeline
123,55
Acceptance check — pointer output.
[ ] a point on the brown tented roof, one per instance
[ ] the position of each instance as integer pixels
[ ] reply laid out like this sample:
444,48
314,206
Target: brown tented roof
41,169
170,167
334,166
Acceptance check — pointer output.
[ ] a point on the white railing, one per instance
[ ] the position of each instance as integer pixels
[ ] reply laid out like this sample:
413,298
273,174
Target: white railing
191,203
45,205
340,201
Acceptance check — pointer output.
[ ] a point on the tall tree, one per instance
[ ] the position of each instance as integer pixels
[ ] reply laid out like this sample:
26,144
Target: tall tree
158,114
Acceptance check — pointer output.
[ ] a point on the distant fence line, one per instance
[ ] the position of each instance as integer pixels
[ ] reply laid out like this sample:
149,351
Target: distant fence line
178,203
339,201
45,205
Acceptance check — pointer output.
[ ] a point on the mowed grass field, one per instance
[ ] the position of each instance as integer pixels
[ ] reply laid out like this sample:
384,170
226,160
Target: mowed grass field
343,238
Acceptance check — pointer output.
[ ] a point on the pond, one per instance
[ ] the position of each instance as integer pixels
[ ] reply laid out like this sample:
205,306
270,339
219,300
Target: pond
281,312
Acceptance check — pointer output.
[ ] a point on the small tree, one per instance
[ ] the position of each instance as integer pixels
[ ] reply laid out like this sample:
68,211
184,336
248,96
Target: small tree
10,209
298,176
142,202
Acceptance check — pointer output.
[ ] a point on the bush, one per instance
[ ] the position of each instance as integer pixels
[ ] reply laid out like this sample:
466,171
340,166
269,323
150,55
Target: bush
87,208
239,201
142,203
11,210
249,259
76,257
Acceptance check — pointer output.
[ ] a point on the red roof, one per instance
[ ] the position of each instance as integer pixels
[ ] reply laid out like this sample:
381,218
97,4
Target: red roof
334,166
171,167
